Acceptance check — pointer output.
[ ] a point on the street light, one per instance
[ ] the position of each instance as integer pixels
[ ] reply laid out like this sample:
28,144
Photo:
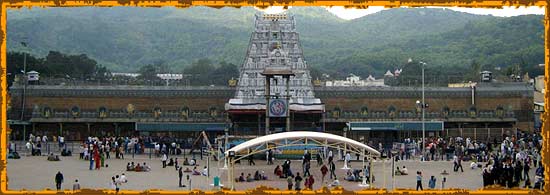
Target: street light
423,114
226,131
24,44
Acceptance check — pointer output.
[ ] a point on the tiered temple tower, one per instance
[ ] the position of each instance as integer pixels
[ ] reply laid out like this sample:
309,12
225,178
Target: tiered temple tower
274,43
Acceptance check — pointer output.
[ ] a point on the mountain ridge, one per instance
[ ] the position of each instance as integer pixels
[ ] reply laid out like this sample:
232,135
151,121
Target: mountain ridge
126,38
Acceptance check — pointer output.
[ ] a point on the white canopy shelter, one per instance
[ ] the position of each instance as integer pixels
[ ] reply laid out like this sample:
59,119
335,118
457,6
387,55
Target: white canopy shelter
296,138
325,137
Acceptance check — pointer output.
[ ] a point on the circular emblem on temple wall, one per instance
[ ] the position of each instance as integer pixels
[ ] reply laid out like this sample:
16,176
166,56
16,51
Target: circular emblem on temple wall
277,107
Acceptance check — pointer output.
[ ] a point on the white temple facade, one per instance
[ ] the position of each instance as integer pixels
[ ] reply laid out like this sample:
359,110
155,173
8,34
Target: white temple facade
274,43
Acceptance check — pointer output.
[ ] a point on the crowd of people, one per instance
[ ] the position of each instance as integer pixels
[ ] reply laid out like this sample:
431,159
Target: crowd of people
505,163
35,144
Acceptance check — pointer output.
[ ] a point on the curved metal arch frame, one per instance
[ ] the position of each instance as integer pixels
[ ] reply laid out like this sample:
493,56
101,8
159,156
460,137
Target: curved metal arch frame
364,152
298,136
257,149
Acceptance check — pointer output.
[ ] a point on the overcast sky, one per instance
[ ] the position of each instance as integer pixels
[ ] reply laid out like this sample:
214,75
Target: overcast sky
353,13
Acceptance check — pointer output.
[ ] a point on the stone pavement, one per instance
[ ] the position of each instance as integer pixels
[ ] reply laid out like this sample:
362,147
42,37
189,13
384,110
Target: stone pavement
36,173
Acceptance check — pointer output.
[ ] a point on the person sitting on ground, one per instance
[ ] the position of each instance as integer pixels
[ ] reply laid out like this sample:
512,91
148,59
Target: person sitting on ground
473,165
193,162
249,178
263,176
187,170
257,176
14,155
171,162
444,172
397,172
404,171
138,168
335,183
66,152
349,176
186,162
205,171
278,171
146,168
128,167
132,166
123,178
195,171
356,174
51,157
241,178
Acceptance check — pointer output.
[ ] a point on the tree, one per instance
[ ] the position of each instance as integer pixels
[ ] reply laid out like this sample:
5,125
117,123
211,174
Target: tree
148,72
222,74
475,69
200,71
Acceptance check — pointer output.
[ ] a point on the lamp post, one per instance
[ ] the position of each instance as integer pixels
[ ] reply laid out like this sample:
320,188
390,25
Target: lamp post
25,79
423,107
226,131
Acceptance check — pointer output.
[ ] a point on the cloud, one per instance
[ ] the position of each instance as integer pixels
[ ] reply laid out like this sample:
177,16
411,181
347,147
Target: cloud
504,12
353,13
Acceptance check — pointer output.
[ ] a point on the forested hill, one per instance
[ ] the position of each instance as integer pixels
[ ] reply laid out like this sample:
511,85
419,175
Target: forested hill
126,38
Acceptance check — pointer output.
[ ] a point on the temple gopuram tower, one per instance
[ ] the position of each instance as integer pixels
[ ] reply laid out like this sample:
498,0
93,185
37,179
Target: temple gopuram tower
274,45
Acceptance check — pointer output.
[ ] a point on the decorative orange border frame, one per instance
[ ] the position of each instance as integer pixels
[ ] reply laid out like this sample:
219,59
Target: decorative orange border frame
264,3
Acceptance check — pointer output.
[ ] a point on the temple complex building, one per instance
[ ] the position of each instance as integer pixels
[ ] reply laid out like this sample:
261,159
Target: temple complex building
489,110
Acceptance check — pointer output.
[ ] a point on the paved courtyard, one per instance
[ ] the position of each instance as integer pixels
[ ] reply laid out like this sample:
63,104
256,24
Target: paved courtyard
36,173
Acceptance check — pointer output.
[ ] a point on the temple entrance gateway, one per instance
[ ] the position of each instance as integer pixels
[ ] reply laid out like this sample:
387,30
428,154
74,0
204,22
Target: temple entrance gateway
285,140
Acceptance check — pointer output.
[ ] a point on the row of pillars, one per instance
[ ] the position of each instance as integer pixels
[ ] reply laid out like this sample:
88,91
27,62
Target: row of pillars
60,129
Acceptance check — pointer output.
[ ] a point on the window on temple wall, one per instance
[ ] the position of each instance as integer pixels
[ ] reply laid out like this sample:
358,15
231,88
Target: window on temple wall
275,35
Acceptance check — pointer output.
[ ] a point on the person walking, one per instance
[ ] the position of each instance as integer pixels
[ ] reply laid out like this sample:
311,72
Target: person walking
419,180
164,158
307,167
347,159
289,182
431,184
270,156
324,171
455,163
251,160
97,159
121,152
180,176
267,157
58,180
332,169
118,183
319,159
102,158
91,162
311,181
189,181
107,150
526,169
76,185
113,184
298,179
